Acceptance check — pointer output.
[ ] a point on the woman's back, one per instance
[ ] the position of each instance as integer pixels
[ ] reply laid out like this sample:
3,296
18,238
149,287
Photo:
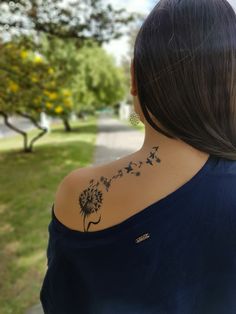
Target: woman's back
177,255
157,234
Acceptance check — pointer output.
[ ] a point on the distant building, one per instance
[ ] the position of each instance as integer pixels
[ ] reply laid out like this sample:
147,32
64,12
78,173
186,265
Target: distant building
45,121
125,111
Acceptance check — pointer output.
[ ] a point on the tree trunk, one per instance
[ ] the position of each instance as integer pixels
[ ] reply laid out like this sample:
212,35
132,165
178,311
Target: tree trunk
14,128
34,121
67,125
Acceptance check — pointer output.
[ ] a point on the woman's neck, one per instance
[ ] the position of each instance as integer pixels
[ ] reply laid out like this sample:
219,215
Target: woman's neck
174,151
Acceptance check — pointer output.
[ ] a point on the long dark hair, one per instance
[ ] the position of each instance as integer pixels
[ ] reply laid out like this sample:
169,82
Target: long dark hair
185,71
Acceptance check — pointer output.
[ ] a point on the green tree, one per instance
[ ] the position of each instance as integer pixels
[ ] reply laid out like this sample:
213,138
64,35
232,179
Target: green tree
105,82
88,77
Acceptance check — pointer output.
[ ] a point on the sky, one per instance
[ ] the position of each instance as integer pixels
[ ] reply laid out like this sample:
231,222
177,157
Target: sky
120,47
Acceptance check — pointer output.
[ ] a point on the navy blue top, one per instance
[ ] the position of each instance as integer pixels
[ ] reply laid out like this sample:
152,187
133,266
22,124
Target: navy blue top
176,256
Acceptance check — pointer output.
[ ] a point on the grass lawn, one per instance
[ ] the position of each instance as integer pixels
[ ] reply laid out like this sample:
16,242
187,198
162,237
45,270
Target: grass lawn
28,184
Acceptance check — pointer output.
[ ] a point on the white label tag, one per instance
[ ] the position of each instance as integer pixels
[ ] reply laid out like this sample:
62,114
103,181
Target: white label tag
143,237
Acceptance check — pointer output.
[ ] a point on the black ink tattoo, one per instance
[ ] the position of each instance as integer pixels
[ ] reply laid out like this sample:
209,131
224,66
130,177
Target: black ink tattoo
149,161
90,200
129,168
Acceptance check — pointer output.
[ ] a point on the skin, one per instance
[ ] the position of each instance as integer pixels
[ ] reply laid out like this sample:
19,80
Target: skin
91,199
109,194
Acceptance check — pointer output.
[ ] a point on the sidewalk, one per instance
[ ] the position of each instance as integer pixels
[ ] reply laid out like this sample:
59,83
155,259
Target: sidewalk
19,122
23,124
115,139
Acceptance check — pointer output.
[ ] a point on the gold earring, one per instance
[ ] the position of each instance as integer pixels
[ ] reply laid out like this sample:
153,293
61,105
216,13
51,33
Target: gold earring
134,118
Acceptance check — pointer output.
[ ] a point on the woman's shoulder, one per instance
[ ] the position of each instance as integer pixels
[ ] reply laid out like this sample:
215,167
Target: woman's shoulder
80,196
66,200
98,197
101,196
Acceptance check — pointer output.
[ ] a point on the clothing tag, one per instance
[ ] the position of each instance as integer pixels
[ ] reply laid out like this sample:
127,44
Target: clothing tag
143,237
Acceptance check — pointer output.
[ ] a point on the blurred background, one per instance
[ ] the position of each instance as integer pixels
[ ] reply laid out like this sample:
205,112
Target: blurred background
64,104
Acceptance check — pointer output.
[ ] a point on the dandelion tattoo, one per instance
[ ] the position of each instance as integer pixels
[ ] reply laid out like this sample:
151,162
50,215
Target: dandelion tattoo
90,200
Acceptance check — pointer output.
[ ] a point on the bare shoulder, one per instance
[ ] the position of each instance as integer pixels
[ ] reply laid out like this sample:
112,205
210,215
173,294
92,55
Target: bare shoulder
68,196
98,197
79,196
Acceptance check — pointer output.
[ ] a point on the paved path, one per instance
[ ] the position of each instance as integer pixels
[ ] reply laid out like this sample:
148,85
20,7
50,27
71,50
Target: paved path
21,123
115,139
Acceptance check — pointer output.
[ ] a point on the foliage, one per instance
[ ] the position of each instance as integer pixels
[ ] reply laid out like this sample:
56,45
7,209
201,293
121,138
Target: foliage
56,77
86,77
59,78
78,19
62,55
56,81
104,81
23,74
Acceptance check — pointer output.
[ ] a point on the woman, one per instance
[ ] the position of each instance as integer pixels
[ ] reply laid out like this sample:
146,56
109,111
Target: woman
155,232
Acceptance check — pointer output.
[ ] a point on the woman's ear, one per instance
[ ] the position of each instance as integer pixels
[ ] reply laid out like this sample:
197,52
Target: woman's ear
133,89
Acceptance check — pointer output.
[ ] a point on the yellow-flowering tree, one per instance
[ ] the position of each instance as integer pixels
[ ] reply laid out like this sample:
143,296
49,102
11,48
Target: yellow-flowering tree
58,79
24,75
68,81
60,104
